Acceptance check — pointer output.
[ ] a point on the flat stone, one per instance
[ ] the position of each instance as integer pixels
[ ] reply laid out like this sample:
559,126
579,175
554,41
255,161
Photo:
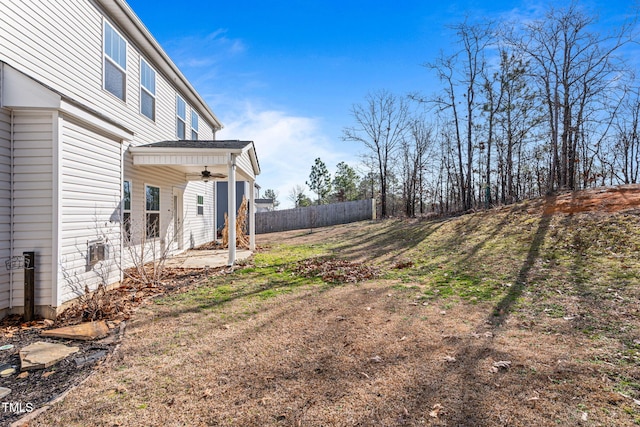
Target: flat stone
7,372
40,355
4,392
83,331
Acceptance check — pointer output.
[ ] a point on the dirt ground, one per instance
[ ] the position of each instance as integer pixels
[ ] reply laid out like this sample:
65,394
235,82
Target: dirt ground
374,353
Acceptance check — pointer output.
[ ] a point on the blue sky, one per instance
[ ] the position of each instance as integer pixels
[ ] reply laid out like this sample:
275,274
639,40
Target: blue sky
285,74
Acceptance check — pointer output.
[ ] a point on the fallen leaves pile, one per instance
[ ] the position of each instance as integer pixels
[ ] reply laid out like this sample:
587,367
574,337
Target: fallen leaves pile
335,270
121,302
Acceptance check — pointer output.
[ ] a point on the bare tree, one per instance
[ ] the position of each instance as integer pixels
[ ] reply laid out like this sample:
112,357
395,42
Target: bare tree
626,148
461,75
298,197
381,125
572,66
415,151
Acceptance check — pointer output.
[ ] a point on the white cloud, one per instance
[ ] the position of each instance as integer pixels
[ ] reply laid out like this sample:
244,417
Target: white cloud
200,52
287,146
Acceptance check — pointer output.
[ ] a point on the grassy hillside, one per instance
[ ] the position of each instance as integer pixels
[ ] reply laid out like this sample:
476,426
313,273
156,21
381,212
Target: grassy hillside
520,316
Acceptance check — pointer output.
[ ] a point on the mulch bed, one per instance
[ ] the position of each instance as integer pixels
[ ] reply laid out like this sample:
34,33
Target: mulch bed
34,389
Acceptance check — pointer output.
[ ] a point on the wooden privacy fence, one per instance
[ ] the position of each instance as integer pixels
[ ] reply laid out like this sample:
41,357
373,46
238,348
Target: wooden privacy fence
315,216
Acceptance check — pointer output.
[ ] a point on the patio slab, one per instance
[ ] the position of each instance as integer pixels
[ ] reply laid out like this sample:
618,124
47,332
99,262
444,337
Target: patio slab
195,258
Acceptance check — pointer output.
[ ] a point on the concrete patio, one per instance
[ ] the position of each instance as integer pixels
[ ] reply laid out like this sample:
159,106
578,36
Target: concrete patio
196,258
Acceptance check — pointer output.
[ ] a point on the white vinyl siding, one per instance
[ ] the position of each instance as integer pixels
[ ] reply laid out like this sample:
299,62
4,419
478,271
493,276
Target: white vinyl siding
115,62
34,133
196,229
147,90
68,176
201,227
5,204
91,191
69,58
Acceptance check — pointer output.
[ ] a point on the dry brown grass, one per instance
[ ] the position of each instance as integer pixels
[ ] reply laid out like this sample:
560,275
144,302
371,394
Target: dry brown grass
408,349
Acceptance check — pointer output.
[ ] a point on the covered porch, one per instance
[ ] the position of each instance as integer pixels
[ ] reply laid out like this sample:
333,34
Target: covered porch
228,160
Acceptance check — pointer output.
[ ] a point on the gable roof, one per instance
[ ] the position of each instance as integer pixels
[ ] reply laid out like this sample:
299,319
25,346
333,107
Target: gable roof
229,144
126,19
189,153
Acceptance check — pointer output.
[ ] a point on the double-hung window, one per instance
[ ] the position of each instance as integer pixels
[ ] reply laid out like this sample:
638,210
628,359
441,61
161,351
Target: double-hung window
200,205
152,211
147,90
115,62
181,117
194,126
126,210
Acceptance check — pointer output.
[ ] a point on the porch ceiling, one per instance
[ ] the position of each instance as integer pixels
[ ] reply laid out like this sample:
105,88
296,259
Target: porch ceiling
190,157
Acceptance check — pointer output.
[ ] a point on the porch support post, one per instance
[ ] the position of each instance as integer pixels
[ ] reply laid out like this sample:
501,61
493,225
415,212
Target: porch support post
252,216
231,209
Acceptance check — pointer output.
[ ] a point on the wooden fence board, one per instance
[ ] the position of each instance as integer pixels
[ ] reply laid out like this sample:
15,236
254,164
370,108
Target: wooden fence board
315,216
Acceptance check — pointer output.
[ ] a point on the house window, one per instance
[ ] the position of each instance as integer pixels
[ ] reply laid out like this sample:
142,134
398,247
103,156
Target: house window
194,126
181,117
152,211
126,210
200,205
147,90
115,62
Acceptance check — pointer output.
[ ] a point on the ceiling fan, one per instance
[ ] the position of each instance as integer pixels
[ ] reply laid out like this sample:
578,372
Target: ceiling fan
206,175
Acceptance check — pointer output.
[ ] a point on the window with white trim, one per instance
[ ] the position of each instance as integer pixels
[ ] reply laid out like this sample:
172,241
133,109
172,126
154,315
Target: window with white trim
152,211
114,77
200,205
194,125
126,210
147,90
181,117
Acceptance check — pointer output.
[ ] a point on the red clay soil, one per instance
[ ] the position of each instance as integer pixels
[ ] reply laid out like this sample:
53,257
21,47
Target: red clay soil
609,199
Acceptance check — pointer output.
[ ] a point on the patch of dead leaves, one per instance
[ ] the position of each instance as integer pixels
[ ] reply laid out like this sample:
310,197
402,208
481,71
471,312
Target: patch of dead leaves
334,270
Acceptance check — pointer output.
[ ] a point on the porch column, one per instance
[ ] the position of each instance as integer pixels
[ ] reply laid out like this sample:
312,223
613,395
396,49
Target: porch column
231,209
252,216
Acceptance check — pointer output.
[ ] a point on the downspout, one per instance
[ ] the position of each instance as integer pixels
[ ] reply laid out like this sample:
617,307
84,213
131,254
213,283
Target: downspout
121,204
11,203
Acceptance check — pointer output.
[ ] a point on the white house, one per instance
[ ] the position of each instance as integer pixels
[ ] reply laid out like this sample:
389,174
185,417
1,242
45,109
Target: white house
103,143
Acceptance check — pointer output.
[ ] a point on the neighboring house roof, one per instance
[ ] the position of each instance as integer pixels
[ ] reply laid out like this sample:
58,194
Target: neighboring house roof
120,12
264,201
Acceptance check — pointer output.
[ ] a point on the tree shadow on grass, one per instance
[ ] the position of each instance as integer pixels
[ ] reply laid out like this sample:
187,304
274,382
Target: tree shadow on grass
393,241
502,310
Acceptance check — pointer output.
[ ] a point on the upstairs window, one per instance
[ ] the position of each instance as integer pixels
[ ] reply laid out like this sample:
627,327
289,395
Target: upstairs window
194,125
147,90
115,62
181,117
